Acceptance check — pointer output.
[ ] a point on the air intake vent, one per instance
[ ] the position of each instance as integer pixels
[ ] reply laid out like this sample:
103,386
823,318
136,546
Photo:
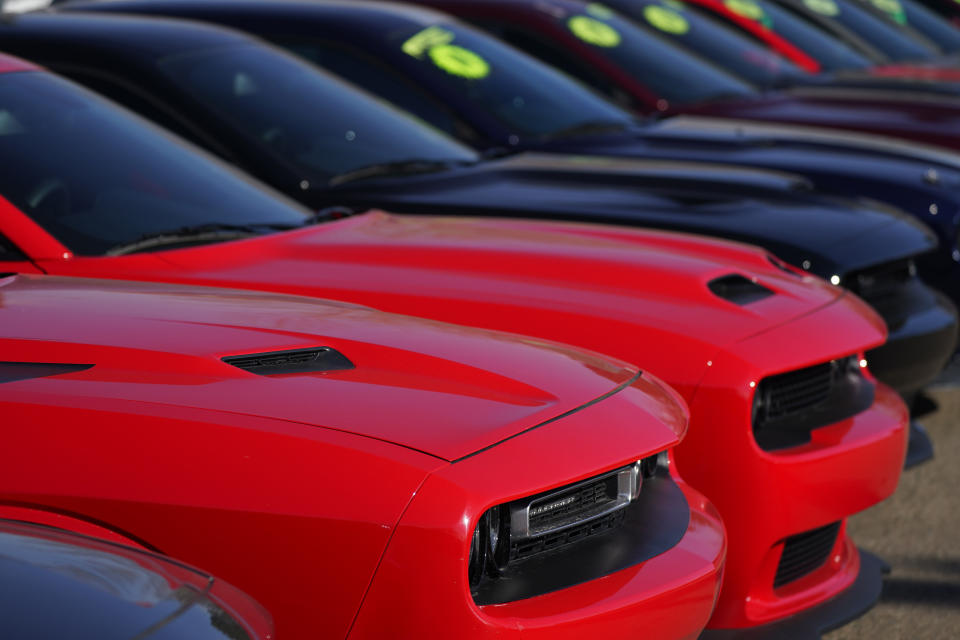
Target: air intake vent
274,363
738,290
788,406
804,553
13,371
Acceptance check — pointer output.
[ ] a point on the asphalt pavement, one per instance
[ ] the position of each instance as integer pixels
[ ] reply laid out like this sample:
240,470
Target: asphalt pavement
917,531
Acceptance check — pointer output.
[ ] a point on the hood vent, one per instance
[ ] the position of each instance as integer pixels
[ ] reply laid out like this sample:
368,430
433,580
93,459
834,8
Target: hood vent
274,363
738,290
14,371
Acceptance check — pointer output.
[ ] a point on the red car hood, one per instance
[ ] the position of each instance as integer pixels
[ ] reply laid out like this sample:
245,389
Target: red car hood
440,389
453,268
924,117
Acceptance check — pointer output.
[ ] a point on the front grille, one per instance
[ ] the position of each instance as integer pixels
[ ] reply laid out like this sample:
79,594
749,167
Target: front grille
557,539
886,289
792,393
787,407
561,509
804,553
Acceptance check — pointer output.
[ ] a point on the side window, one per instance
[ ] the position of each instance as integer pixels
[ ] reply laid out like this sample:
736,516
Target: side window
371,74
558,57
139,102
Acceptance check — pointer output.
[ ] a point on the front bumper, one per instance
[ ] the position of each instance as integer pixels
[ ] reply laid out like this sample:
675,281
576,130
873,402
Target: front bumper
766,497
811,624
919,347
669,595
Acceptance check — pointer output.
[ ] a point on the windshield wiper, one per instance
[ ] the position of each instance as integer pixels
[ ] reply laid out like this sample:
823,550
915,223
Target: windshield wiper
197,234
398,168
586,128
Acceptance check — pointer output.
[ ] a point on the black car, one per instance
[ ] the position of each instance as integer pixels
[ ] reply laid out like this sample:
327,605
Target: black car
520,104
328,145
55,585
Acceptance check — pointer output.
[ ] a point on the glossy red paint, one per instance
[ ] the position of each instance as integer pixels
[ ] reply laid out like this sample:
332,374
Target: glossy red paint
638,295
310,506
609,290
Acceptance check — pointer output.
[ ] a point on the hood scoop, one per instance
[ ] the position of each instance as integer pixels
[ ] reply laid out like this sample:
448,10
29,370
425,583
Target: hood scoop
14,371
316,360
738,290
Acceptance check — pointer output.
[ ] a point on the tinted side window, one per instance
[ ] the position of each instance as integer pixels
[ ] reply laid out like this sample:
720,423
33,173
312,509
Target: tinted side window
139,102
556,56
379,79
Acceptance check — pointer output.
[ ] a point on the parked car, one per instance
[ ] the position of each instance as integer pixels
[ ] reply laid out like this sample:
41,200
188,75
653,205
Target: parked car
257,107
340,463
55,584
539,109
734,330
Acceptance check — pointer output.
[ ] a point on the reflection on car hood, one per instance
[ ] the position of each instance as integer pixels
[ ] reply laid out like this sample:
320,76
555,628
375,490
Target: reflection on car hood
924,117
772,209
436,388
604,277
757,133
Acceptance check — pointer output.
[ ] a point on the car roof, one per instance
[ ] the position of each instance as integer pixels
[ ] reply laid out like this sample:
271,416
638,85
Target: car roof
345,9
137,36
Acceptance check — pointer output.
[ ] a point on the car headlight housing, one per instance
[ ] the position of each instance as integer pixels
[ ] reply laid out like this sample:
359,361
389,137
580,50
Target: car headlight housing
510,533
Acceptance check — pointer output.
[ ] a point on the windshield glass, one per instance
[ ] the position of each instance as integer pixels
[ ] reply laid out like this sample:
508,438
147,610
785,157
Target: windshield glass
714,41
882,35
522,93
305,116
913,14
831,53
664,68
95,176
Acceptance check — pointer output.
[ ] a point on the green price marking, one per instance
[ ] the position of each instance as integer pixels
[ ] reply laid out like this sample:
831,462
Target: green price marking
666,20
458,61
749,9
892,8
435,43
423,41
594,32
823,7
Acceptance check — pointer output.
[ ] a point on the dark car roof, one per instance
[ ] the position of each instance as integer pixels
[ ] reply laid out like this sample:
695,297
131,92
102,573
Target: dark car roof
346,10
116,34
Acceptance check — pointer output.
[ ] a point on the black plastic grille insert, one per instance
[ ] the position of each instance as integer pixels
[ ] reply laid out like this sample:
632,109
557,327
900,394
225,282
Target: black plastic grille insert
804,553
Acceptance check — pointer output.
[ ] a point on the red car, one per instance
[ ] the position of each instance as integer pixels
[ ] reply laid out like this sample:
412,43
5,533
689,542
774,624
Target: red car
768,358
360,474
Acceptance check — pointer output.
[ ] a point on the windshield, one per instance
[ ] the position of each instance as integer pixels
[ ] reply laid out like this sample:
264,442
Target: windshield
522,93
321,125
831,53
880,34
913,14
664,68
709,38
95,176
